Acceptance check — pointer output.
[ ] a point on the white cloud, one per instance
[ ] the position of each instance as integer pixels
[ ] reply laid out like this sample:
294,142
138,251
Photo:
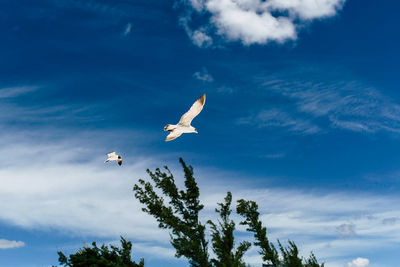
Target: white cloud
203,75
153,250
198,5
238,23
359,262
257,21
200,38
6,244
307,9
127,29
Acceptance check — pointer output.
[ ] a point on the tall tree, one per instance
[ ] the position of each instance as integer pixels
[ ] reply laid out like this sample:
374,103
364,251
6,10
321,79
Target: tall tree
101,256
223,240
289,255
180,215
249,210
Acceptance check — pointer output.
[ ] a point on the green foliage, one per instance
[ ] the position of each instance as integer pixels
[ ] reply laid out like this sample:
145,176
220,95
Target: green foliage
179,212
180,215
223,240
101,257
312,262
249,210
289,256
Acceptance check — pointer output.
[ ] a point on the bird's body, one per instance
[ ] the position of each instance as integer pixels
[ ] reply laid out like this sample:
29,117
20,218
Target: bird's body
112,156
183,125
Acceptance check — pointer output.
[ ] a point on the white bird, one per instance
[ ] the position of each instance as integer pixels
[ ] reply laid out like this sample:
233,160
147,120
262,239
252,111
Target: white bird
113,156
183,125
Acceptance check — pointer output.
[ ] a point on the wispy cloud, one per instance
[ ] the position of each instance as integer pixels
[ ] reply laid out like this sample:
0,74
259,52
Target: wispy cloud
346,229
256,22
199,37
15,112
351,106
277,155
10,92
224,89
62,171
127,29
344,105
90,5
277,118
6,244
390,221
203,75
74,189
312,219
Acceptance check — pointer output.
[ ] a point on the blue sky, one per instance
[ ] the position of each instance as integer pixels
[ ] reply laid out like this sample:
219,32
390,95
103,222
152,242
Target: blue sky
302,115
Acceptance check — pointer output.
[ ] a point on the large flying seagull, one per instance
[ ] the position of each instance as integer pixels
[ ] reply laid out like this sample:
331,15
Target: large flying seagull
183,125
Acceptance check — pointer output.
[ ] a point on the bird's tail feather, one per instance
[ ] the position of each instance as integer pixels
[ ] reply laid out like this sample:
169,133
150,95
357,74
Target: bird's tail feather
169,127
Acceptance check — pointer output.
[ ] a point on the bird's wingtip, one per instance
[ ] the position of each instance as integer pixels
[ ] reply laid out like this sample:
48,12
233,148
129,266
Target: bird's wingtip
203,98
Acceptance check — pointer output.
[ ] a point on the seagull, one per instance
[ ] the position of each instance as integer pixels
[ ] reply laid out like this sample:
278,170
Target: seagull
183,125
113,156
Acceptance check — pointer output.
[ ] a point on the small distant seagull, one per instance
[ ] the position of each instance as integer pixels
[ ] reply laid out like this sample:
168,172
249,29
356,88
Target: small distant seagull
113,156
183,125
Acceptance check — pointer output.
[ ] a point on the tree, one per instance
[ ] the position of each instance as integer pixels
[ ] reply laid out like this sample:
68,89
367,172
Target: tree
223,240
249,210
101,257
289,256
179,212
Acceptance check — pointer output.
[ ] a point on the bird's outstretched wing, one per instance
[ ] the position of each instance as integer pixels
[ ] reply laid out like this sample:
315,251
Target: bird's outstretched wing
111,155
173,135
194,110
